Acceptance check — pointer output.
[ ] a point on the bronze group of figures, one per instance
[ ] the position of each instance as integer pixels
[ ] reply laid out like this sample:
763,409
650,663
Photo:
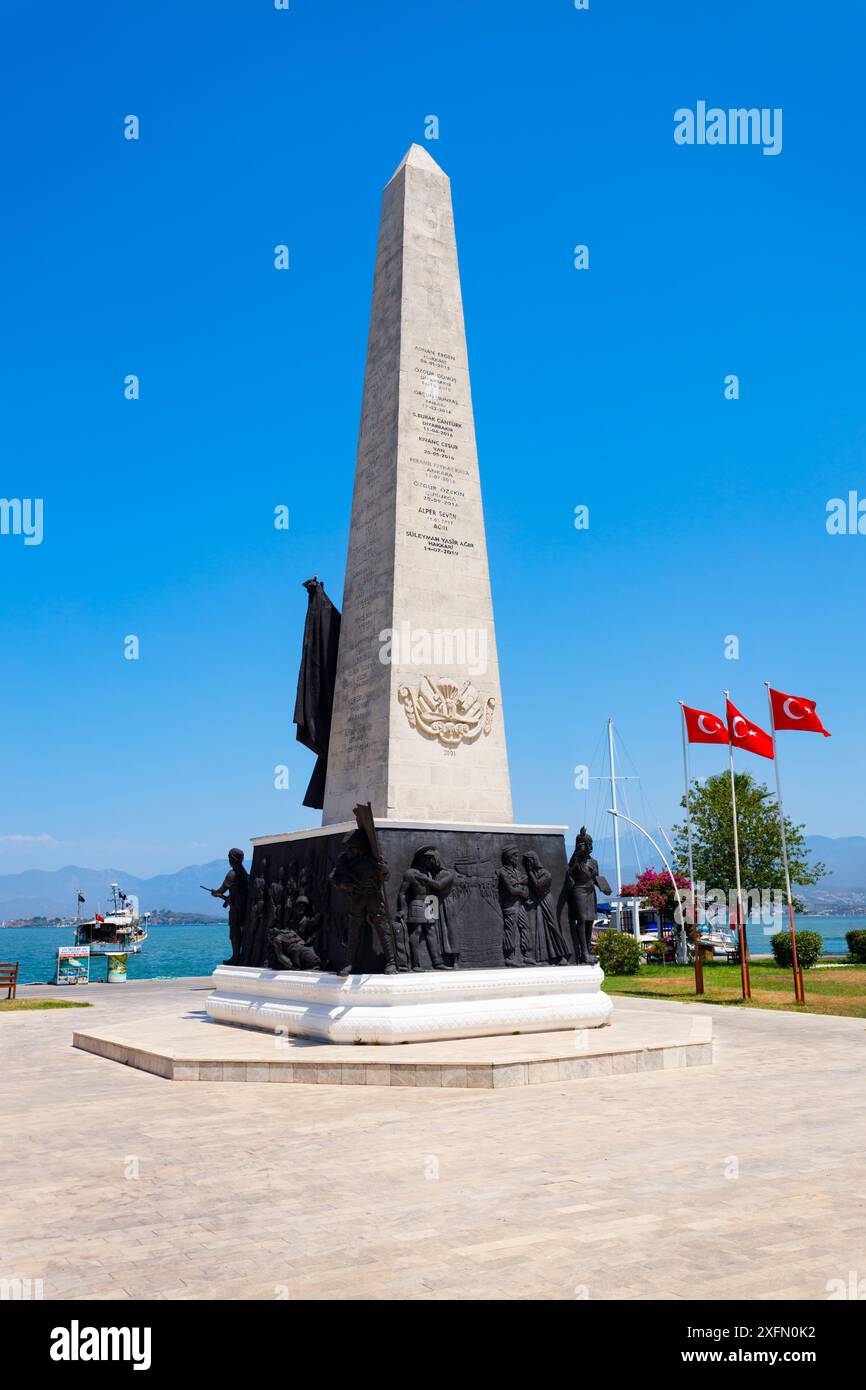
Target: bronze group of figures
270,919
532,931
341,920
417,937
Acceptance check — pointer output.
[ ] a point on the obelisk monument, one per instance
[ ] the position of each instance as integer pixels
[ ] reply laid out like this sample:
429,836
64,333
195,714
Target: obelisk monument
418,725
427,913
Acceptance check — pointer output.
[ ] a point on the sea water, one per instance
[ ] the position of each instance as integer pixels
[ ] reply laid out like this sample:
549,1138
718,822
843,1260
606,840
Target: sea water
832,929
197,947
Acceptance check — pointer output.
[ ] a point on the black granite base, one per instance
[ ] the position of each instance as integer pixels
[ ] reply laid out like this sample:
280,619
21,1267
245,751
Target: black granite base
475,916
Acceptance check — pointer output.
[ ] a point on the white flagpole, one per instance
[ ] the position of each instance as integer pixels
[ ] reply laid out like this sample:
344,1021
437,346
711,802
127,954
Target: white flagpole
741,929
617,909
799,990
699,969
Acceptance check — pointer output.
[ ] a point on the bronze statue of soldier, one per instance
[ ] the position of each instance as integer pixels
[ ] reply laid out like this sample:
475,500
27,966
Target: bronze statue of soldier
582,878
420,905
361,874
233,893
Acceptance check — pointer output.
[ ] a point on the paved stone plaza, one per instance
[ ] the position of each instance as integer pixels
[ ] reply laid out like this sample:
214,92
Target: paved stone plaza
610,1188
188,1048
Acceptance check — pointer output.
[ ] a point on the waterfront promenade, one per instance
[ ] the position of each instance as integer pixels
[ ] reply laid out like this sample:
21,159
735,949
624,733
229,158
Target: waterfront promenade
743,1179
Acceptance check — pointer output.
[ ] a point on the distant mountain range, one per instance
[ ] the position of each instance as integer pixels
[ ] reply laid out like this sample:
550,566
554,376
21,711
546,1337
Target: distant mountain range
51,893
844,888
845,884
845,859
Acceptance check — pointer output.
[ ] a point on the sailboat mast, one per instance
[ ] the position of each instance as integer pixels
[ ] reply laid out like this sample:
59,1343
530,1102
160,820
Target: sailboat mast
615,819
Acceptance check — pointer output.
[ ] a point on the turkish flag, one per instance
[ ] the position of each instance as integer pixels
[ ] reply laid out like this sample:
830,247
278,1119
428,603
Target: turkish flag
795,712
704,728
745,734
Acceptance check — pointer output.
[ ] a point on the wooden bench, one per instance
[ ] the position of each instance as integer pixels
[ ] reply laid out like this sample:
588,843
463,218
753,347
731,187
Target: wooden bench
9,977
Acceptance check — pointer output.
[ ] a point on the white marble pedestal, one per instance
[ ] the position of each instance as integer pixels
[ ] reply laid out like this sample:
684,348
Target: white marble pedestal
410,1007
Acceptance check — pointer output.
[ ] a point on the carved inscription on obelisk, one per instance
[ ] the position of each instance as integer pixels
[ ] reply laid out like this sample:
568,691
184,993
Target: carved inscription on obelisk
418,724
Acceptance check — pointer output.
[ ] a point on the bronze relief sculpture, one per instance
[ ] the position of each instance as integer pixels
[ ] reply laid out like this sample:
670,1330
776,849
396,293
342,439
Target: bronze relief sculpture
513,897
291,942
361,873
462,902
547,943
421,908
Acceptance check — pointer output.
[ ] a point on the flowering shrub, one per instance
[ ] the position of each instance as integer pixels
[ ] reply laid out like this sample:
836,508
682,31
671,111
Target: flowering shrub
658,891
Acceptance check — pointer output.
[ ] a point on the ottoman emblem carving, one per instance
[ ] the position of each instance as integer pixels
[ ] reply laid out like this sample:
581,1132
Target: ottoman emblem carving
451,711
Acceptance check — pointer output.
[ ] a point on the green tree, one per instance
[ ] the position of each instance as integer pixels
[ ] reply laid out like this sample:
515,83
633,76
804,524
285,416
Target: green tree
761,863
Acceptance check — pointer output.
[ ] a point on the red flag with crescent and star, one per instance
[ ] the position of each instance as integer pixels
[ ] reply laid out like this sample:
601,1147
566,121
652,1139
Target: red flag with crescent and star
796,712
702,727
745,734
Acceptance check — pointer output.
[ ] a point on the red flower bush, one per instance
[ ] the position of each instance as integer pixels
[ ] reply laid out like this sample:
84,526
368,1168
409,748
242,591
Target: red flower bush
657,890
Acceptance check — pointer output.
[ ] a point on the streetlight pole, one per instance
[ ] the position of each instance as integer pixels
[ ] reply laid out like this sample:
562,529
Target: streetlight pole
680,895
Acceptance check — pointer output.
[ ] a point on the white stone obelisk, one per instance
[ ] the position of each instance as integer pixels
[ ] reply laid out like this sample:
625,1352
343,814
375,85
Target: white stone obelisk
418,726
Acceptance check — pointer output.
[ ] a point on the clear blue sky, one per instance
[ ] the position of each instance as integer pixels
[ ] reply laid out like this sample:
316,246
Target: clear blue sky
602,387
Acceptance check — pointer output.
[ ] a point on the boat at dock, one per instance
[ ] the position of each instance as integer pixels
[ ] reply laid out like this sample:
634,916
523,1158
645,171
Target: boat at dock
122,929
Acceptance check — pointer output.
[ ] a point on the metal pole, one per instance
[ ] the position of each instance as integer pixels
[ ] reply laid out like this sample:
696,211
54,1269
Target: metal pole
618,815
741,930
615,821
666,837
699,967
799,989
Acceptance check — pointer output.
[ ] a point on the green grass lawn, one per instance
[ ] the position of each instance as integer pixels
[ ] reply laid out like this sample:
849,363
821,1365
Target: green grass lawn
10,1006
841,991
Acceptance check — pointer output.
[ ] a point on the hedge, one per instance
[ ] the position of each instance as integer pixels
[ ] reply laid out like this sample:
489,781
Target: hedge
857,946
810,945
618,952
